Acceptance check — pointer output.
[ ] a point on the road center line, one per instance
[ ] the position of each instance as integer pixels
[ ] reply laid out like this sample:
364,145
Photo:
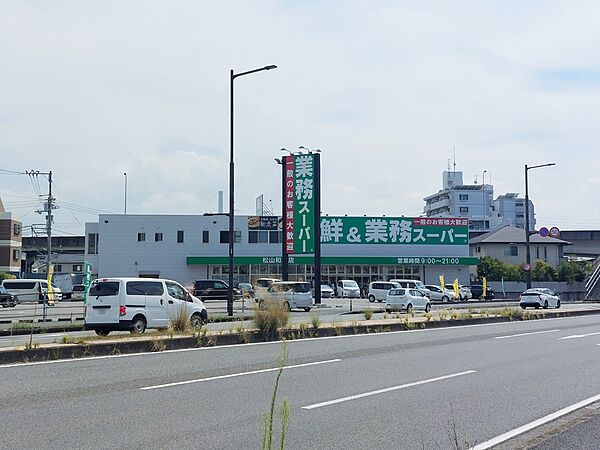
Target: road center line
536,423
239,374
576,336
382,391
526,334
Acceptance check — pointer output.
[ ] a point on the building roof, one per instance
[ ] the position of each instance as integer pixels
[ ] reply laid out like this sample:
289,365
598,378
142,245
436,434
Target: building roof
510,234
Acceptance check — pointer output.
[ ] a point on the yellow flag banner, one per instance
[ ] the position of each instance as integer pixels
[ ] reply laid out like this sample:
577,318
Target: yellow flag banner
442,284
49,280
456,288
484,288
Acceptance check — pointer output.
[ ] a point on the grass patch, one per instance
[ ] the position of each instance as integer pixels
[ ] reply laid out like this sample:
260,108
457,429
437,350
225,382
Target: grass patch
271,318
179,321
315,320
368,313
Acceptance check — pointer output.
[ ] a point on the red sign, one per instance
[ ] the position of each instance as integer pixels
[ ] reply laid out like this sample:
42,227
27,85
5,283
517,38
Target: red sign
440,222
526,267
554,232
288,161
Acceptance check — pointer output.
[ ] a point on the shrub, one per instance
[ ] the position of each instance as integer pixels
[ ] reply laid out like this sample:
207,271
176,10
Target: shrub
271,318
368,312
315,321
179,321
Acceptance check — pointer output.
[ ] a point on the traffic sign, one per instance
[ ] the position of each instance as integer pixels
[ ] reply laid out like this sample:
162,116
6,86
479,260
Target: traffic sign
554,232
544,232
526,267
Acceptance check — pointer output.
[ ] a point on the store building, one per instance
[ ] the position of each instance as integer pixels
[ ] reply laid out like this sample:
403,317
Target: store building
190,247
10,242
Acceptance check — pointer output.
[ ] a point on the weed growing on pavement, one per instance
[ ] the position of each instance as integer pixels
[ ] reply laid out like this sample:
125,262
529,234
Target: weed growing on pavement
511,313
455,441
271,317
315,320
368,313
443,314
465,315
284,411
453,315
338,330
179,321
428,316
157,345
302,327
385,315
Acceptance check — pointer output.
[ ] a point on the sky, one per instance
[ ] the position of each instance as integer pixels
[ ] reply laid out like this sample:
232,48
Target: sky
385,89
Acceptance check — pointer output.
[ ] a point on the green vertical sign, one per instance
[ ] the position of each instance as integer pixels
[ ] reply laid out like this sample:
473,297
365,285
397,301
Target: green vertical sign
304,203
87,280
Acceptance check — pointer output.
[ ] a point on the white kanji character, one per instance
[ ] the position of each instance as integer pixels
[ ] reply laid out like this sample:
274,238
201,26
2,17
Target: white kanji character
376,230
289,204
304,189
419,237
394,230
289,236
289,173
405,231
290,247
331,230
304,233
289,215
304,208
304,166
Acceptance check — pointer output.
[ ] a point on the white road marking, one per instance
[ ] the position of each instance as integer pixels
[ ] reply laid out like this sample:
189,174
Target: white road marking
294,342
536,423
239,374
526,334
577,336
382,391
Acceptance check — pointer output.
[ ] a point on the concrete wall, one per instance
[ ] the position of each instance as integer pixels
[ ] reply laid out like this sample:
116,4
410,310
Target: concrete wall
568,292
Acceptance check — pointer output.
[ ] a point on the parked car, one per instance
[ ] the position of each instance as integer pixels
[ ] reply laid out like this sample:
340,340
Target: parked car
135,304
214,290
413,284
539,298
326,291
464,293
439,295
246,289
348,289
402,299
6,298
30,290
378,290
292,294
477,292
262,285
78,292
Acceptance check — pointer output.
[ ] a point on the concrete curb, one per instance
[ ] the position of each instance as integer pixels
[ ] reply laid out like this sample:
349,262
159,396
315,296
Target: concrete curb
161,343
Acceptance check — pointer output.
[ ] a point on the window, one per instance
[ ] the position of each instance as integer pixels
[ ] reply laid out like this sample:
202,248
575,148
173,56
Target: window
77,268
144,288
463,197
274,237
58,268
519,216
158,237
176,291
104,288
224,237
180,236
511,250
519,204
205,236
141,237
464,209
93,243
16,229
252,237
263,237
16,255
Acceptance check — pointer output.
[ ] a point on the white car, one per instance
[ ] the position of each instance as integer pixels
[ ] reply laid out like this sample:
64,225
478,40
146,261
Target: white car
292,294
326,291
441,296
30,290
348,289
262,285
78,292
135,304
539,298
400,299
464,293
378,290
413,284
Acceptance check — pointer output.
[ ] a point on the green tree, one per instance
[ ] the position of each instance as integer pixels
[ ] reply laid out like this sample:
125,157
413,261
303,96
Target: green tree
542,271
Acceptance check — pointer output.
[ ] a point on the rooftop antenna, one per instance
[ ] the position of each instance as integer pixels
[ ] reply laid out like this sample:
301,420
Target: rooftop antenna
454,153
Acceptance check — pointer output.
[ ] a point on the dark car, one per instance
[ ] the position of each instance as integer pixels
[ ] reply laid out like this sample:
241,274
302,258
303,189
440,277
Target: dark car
214,290
477,292
6,298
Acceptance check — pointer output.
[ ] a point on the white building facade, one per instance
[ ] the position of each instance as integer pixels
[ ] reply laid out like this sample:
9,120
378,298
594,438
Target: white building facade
191,247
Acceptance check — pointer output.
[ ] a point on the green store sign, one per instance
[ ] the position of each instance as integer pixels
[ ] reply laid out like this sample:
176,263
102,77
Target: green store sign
340,260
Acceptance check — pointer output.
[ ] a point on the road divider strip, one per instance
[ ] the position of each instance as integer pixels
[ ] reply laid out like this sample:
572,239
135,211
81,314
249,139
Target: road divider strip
389,389
526,334
239,374
536,423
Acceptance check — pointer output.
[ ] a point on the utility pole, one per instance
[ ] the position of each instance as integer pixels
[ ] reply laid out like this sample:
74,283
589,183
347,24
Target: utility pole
48,208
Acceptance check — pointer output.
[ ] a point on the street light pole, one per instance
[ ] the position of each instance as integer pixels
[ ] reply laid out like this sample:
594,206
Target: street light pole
527,232
232,77
484,198
125,173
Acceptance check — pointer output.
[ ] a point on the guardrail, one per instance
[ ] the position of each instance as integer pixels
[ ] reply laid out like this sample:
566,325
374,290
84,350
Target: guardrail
34,312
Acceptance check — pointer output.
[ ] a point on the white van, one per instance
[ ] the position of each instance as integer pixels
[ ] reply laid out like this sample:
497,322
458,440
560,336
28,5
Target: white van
348,289
293,294
414,284
262,285
30,290
378,290
135,304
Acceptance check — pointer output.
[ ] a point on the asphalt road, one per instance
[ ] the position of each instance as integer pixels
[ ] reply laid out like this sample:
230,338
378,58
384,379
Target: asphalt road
419,389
